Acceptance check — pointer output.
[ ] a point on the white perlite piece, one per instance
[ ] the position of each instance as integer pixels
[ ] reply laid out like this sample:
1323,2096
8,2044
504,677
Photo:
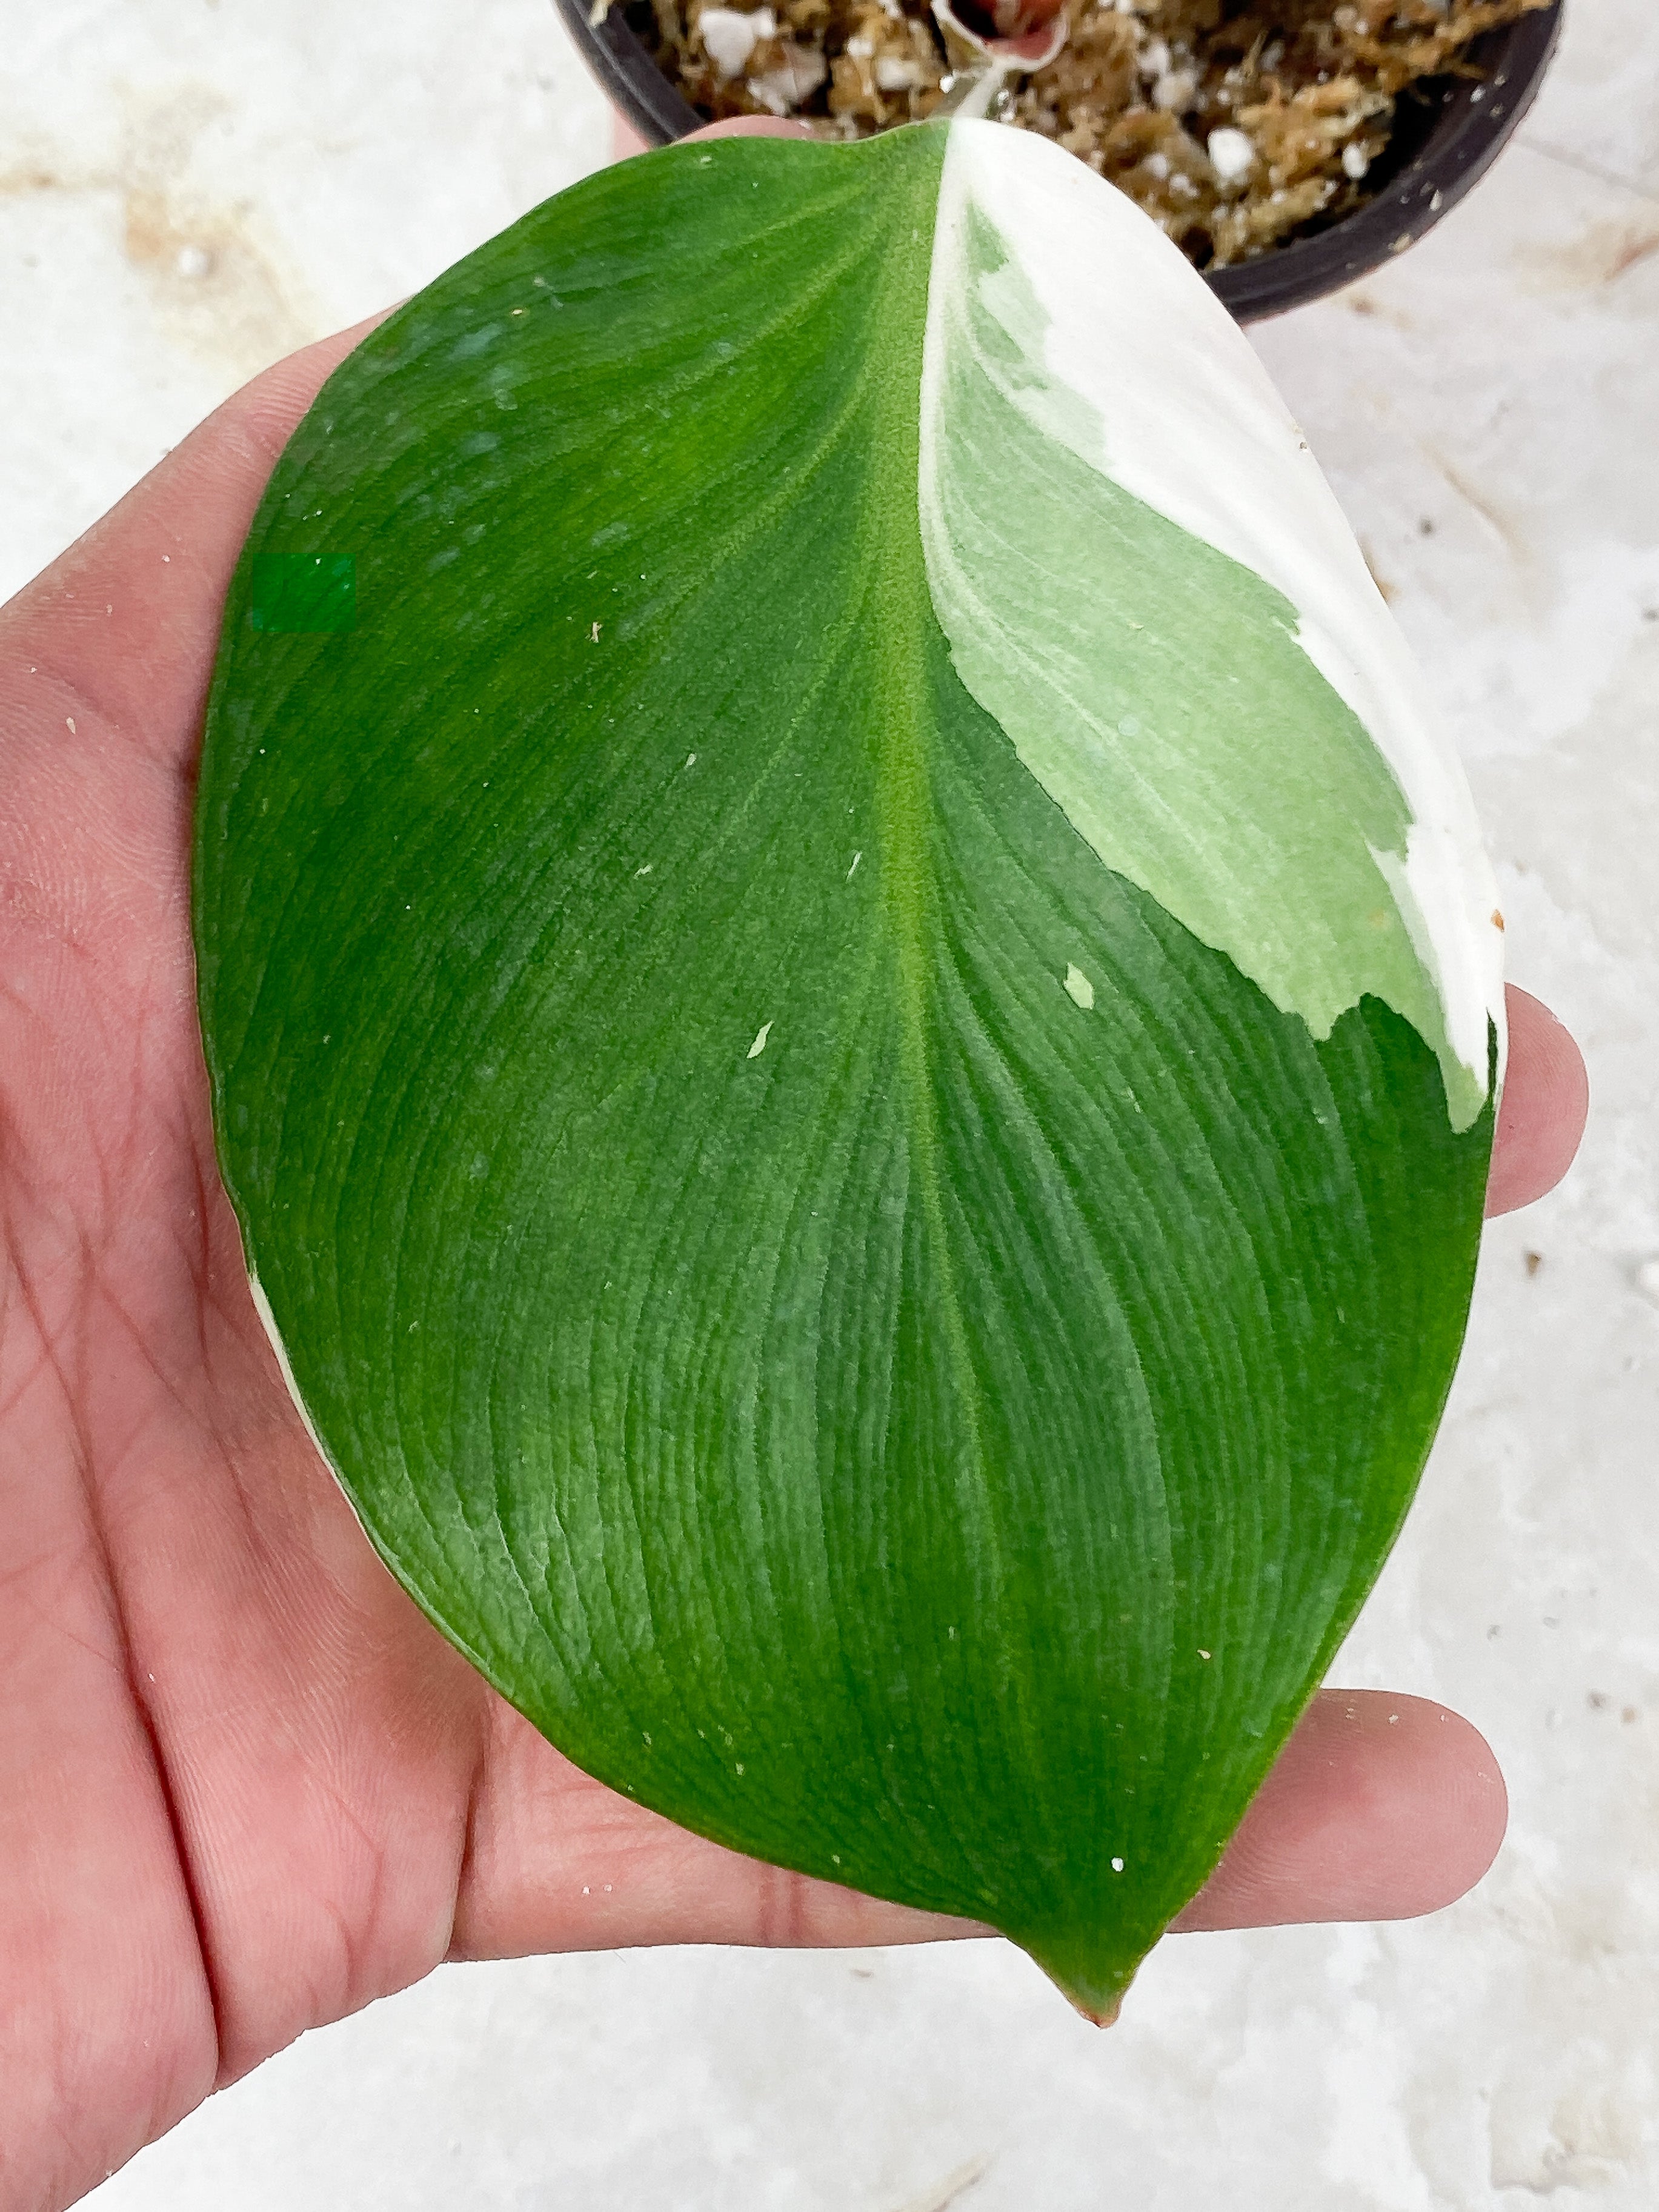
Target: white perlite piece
730,36
1233,155
796,78
894,73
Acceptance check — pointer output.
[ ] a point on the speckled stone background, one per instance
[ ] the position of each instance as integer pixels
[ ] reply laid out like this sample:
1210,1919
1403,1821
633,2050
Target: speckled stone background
189,187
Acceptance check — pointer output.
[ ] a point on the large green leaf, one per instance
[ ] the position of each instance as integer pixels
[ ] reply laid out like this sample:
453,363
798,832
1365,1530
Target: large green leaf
851,1014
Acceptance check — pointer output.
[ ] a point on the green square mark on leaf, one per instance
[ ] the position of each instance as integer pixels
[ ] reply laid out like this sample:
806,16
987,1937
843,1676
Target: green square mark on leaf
305,593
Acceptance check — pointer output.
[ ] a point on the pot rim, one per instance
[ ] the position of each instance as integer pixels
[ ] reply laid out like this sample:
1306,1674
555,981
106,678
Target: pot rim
1474,123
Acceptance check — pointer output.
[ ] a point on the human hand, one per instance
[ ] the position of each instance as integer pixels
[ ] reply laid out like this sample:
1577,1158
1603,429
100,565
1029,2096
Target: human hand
245,1788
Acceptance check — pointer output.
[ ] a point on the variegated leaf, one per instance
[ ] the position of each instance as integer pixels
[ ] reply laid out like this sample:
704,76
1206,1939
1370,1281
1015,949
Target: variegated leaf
853,1014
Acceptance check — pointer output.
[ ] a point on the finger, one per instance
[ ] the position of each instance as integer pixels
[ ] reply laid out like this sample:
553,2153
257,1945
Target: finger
556,1862
1546,1101
1379,1808
753,126
626,142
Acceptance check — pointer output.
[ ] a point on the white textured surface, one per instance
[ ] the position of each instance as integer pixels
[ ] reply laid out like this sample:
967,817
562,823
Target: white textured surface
1499,383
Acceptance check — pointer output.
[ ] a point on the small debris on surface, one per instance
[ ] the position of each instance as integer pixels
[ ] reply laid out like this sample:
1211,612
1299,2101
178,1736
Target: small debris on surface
1236,124
944,2194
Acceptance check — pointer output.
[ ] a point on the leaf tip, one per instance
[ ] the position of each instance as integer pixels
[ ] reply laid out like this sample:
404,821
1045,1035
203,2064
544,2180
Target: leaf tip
1094,1979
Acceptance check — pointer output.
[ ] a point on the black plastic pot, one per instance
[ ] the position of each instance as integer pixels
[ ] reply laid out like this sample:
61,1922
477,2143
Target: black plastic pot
1445,138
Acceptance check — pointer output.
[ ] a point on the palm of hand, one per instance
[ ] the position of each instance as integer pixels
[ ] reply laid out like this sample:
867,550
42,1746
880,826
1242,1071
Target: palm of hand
244,1787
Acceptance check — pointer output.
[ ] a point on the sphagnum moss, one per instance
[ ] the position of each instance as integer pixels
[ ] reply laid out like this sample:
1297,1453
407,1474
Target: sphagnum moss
1234,127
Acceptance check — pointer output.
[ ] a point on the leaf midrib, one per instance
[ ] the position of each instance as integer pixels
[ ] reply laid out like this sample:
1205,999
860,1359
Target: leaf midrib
901,611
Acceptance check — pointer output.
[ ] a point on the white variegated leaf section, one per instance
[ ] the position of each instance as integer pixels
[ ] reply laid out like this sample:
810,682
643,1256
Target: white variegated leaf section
1146,380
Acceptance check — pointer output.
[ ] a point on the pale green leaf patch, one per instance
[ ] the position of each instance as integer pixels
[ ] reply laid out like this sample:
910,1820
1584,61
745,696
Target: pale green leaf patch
1143,576
1078,986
